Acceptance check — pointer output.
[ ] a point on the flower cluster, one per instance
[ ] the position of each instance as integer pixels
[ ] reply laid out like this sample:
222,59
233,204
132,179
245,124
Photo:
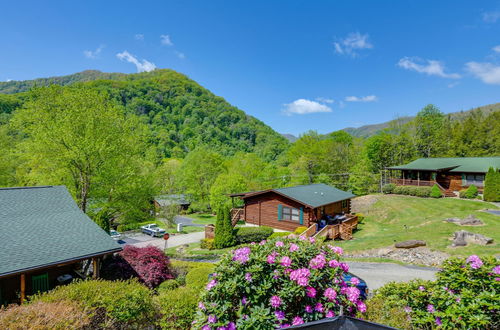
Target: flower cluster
474,261
296,279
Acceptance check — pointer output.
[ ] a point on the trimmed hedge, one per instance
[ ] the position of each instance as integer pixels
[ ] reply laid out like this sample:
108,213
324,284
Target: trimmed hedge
299,230
198,277
413,191
252,234
388,188
178,307
436,192
279,234
207,243
224,231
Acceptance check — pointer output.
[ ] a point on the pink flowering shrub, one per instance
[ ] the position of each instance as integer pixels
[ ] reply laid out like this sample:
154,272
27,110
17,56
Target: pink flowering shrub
278,283
464,296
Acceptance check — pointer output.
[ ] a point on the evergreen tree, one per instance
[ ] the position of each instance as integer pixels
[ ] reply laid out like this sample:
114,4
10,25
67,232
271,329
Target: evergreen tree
492,186
224,232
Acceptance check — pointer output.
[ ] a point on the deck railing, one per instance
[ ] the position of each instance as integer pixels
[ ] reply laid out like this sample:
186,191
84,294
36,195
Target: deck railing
410,182
236,215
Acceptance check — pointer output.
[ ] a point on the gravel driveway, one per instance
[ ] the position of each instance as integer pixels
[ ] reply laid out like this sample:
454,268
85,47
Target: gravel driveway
376,274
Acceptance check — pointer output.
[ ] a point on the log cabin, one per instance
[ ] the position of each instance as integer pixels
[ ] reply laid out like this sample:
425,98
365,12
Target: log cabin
292,207
450,174
44,238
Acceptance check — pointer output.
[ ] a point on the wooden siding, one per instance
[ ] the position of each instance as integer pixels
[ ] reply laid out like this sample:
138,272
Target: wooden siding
262,210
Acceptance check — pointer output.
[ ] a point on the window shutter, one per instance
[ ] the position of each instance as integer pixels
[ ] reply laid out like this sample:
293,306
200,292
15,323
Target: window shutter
301,215
464,180
280,212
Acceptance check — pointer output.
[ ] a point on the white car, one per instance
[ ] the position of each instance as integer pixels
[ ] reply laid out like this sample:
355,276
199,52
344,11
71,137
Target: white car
115,235
153,230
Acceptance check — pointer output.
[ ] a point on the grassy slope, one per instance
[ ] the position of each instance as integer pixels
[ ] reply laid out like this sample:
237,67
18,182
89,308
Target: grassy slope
385,220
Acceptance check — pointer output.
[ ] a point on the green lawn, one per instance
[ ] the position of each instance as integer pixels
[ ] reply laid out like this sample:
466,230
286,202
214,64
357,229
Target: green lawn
202,218
396,218
195,252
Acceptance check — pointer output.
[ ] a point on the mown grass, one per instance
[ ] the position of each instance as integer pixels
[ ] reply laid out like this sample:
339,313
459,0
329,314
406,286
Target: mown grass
395,218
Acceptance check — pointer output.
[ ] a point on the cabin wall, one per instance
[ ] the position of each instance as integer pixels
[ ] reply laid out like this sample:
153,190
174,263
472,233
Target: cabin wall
262,210
455,181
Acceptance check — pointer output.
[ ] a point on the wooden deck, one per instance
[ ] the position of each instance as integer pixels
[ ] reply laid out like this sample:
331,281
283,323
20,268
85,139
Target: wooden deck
410,182
342,231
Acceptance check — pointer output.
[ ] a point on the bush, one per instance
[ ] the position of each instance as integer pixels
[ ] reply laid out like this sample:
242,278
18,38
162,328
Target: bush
463,296
492,185
120,303
149,264
361,217
413,191
423,192
299,230
277,283
207,243
44,315
436,192
197,278
279,234
388,188
169,285
252,234
178,307
224,231
470,193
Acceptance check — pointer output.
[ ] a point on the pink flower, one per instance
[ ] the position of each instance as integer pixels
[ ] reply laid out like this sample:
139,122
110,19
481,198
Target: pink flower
318,262
285,325
241,255
248,277
336,249
333,263
330,294
408,309
421,288
262,242
457,299
211,284
276,274
212,318
286,261
430,308
279,244
275,301
205,327
344,267
244,300
438,321
293,247
354,281
297,320
312,240
311,292
496,270
361,306
302,237
475,261
271,259
319,307
301,276
201,306
330,313
352,293
231,326
280,315
309,309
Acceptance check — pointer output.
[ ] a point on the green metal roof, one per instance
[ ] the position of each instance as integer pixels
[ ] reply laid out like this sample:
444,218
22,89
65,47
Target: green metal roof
315,195
457,165
42,226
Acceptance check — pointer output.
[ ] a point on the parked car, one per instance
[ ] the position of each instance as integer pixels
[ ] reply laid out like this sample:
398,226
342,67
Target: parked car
362,286
153,230
115,235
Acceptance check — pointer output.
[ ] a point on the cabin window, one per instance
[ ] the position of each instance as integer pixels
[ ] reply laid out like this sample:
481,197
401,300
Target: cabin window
290,214
344,204
474,179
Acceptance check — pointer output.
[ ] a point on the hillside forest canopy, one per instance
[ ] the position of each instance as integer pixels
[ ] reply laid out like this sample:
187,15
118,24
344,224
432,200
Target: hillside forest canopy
117,140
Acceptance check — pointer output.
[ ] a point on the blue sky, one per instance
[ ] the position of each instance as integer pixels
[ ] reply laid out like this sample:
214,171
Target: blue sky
296,65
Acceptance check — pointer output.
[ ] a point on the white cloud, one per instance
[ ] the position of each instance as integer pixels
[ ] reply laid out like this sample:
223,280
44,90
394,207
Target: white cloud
93,54
489,73
496,49
429,67
352,43
142,66
180,55
325,100
453,84
165,40
303,107
491,16
139,36
368,98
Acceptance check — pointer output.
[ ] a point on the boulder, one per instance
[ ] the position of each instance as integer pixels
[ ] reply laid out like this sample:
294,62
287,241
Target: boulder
463,237
453,220
410,244
471,220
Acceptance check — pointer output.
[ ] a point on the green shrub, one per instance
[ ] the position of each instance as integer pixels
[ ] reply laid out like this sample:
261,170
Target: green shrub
436,192
299,230
361,217
492,185
464,296
470,193
197,278
127,303
178,307
168,285
413,191
388,188
252,234
279,234
207,243
45,315
224,231
423,192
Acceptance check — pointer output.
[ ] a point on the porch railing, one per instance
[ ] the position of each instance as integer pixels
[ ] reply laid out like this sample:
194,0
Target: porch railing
411,182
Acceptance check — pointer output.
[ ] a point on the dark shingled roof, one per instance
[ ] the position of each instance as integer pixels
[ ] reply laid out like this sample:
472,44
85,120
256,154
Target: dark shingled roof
453,164
42,226
312,195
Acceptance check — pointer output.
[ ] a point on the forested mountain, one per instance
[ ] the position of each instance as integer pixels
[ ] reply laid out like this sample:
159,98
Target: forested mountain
369,130
182,114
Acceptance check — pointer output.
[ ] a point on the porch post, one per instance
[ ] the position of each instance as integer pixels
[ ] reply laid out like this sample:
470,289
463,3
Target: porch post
418,178
95,267
23,287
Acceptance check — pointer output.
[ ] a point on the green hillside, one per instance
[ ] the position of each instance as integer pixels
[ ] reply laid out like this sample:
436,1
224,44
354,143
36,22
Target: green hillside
182,114
369,130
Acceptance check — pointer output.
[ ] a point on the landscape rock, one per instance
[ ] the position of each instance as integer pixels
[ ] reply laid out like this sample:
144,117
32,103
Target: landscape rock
410,244
470,220
463,237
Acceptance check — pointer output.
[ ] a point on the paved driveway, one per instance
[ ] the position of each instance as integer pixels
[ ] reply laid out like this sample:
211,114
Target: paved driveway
186,221
377,274
142,240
